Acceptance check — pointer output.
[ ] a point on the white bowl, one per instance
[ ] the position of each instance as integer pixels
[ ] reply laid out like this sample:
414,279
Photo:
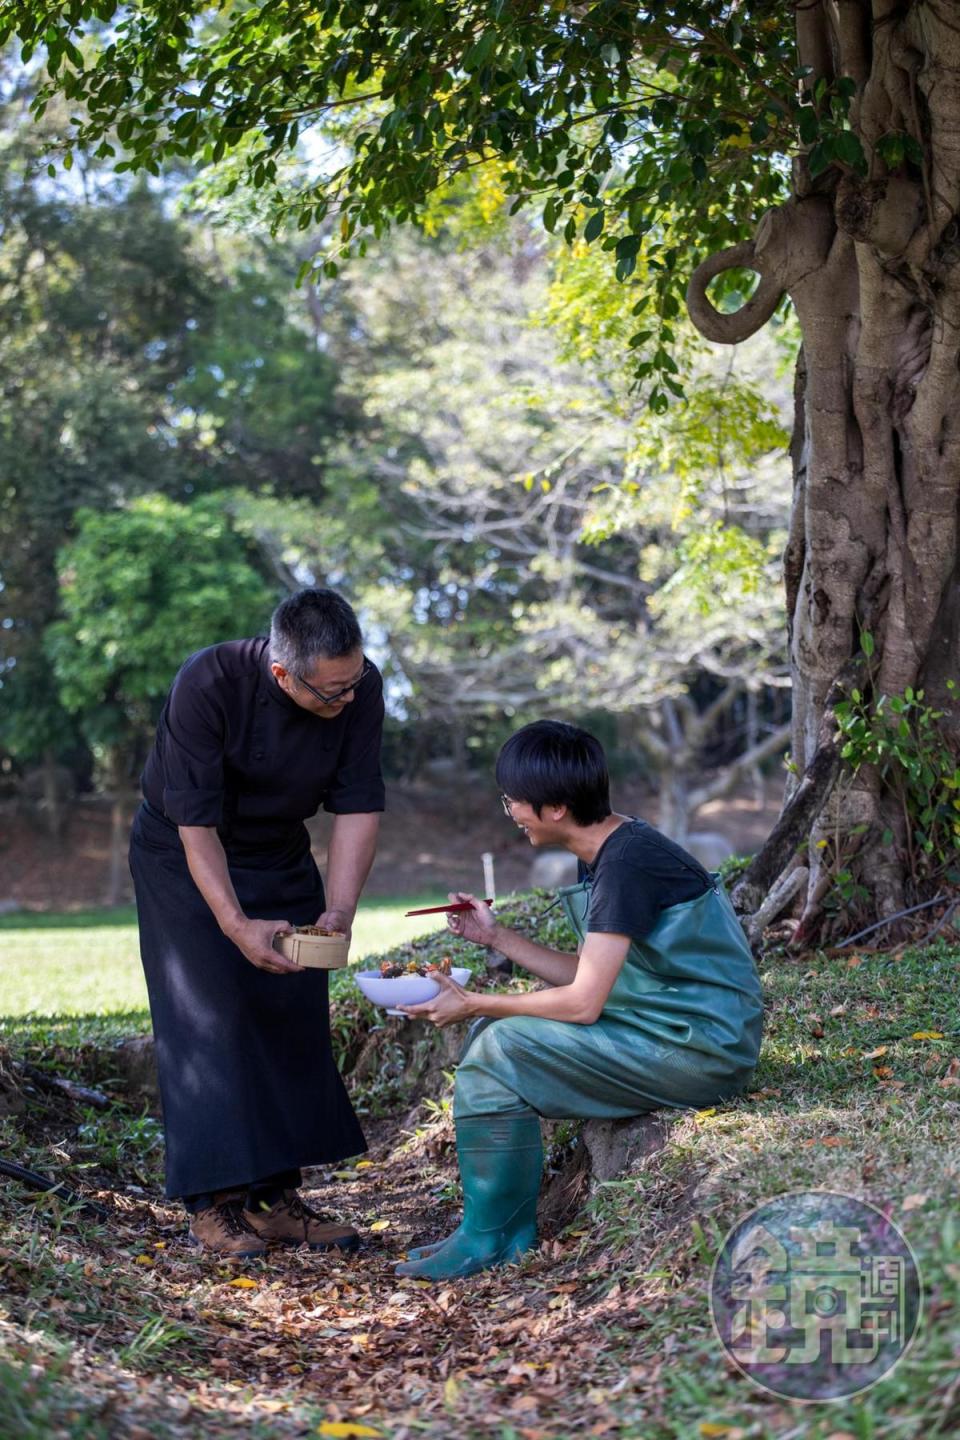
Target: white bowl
403,989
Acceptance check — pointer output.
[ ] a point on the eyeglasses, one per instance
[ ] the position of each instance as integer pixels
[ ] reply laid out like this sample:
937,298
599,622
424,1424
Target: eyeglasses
506,802
331,699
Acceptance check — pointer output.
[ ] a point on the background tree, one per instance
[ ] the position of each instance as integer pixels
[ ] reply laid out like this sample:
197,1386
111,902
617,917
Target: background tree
138,353
141,588
663,132
538,546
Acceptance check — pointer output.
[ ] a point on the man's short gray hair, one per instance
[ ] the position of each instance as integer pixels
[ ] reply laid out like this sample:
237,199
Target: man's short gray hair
312,624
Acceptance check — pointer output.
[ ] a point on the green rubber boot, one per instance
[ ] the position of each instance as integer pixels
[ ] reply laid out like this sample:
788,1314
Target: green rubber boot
501,1163
419,1251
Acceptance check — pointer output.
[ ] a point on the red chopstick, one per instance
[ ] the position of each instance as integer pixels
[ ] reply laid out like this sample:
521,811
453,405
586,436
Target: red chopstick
448,909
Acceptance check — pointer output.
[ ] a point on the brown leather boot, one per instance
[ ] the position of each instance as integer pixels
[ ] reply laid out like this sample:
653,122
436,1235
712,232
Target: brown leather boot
291,1221
223,1230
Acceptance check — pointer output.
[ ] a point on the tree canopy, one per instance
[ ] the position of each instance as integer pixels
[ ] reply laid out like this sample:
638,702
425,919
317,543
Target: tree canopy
658,131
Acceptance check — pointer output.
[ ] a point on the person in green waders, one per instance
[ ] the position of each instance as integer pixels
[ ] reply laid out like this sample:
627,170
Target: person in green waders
660,1006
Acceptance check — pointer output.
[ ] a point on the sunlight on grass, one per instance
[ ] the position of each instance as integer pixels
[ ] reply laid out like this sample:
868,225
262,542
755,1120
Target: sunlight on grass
90,962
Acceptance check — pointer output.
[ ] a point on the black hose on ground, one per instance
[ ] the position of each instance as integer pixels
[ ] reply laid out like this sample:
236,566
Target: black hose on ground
35,1181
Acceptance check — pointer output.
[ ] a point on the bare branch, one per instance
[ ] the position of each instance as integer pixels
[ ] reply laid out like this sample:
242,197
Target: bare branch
704,722
732,774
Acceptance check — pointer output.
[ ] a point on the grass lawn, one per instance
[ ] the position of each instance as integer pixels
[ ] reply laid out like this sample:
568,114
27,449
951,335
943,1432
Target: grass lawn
603,1331
88,962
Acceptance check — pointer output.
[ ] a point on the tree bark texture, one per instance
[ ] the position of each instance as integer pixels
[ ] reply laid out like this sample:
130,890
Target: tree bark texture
872,266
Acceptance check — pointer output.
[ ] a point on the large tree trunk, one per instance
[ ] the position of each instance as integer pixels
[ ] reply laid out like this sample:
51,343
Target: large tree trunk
871,266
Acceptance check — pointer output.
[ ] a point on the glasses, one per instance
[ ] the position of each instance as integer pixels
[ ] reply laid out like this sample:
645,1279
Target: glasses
331,699
506,802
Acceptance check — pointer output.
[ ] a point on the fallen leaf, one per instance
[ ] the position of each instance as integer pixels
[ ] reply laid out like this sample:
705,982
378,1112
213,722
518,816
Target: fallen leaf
882,1072
853,962
927,1035
365,1165
346,1429
832,1140
875,1054
450,1390
143,1260
380,1225
243,1282
913,1202
710,1427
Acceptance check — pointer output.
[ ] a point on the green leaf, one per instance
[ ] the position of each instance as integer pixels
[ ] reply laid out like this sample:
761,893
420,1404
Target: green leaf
594,226
847,147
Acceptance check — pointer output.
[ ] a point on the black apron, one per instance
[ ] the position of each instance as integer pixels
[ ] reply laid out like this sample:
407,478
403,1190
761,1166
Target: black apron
247,1078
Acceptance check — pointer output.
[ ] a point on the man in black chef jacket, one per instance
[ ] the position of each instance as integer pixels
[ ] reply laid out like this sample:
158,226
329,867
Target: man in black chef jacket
254,737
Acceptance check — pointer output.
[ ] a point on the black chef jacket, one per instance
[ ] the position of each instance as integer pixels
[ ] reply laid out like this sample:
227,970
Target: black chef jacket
234,751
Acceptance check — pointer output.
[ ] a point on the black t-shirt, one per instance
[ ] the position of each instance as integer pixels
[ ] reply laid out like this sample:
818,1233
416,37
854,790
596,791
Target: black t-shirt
234,751
637,873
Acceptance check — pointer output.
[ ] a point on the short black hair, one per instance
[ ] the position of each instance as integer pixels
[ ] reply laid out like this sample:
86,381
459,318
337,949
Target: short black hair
552,763
312,624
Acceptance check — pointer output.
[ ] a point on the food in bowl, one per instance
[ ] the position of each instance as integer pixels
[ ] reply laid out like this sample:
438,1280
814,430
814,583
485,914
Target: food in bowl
393,969
405,989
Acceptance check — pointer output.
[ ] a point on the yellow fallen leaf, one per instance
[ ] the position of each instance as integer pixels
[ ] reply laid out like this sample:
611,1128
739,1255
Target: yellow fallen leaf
927,1035
875,1054
143,1260
343,1175
243,1282
364,1164
710,1110
380,1225
450,1390
913,1202
710,1428
346,1429
159,1244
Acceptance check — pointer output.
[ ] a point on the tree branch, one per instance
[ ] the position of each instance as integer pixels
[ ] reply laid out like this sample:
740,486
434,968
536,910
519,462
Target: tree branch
726,780
751,317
